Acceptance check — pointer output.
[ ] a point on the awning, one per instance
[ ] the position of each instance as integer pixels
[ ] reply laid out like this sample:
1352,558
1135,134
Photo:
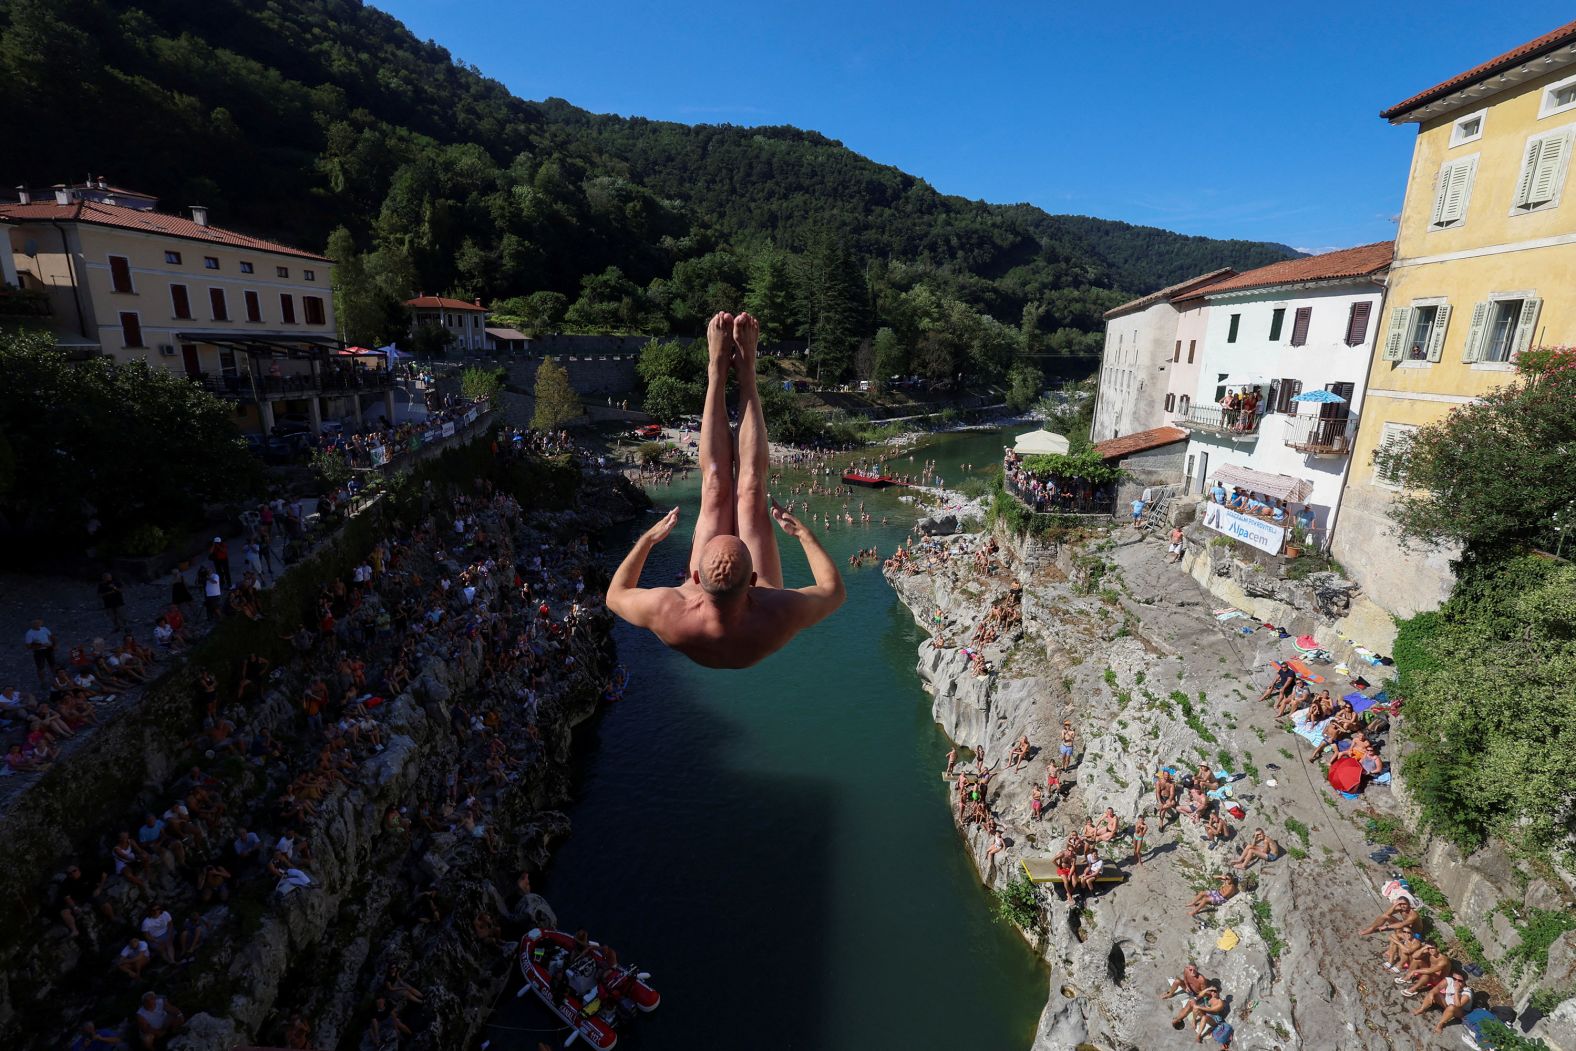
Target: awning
1280,486
1244,381
1040,442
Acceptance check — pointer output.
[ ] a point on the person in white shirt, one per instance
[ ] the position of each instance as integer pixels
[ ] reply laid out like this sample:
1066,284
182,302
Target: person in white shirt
212,592
40,641
157,926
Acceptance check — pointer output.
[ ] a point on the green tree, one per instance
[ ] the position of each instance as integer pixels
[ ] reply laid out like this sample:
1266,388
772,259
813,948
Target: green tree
611,302
123,446
684,362
479,383
833,292
668,398
556,401
544,311
891,358
427,341
368,314
1024,383
1491,476
771,297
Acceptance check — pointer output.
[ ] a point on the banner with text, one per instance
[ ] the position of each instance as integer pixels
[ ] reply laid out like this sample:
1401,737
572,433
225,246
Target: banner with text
448,430
1266,536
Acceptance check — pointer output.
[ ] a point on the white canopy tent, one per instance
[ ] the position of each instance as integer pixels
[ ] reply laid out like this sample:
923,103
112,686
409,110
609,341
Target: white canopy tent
1280,486
1039,443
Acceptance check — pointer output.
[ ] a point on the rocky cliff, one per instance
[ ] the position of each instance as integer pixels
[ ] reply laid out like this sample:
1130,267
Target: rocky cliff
1125,646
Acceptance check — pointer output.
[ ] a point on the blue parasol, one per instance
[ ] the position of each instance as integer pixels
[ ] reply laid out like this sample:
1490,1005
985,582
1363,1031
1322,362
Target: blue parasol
1322,397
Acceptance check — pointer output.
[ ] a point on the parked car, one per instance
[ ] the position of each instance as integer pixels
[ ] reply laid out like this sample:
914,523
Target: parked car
648,432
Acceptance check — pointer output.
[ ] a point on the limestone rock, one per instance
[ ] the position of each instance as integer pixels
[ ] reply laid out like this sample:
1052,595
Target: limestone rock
204,1032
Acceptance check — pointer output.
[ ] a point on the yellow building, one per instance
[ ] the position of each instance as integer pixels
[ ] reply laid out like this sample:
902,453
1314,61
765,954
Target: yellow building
1485,267
252,320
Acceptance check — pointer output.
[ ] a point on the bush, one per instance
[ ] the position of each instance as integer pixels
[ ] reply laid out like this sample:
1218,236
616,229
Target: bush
144,541
1019,903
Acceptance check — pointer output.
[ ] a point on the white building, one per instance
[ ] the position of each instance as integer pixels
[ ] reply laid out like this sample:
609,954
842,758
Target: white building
466,322
1140,346
1284,330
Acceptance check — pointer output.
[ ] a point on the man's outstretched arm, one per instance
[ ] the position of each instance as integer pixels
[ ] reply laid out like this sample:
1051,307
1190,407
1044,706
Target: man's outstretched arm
827,593
624,594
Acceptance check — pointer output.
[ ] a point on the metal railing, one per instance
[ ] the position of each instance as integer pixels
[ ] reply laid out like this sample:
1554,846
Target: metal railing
240,387
1222,421
1318,436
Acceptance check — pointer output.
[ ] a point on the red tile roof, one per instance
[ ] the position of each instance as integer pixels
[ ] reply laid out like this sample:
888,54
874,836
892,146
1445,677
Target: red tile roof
1139,441
1348,262
1180,290
442,303
144,221
1552,41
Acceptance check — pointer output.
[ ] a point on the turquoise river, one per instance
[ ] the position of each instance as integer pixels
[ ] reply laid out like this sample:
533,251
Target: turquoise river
775,846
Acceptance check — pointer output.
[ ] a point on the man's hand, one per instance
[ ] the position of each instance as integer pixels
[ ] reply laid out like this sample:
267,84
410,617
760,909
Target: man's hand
790,525
659,532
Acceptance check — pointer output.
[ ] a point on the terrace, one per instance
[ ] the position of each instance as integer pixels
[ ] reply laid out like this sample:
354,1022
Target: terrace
1321,436
1212,419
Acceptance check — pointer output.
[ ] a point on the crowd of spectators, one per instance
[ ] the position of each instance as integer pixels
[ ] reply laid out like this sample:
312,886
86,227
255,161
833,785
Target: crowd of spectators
1044,492
470,585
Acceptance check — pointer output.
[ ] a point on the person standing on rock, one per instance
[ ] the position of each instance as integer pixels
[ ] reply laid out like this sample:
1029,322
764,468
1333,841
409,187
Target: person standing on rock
1069,736
732,610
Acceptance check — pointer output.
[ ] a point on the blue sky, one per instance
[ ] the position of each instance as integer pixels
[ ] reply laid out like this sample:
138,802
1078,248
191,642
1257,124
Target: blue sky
1225,119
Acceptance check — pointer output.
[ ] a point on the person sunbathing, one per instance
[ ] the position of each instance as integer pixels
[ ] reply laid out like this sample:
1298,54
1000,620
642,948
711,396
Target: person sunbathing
1020,752
1283,683
1205,900
1426,969
1401,950
1106,828
1260,846
1198,804
1342,725
1209,1010
1216,829
1295,697
1205,998
1066,862
1401,914
1166,801
1452,996
732,609
1205,778
1191,982
1093,865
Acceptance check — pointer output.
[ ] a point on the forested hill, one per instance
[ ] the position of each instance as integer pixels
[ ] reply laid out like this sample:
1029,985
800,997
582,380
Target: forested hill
294,117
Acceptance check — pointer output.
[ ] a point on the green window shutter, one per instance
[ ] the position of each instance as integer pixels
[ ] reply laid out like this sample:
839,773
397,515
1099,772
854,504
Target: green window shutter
1436,338
1440,191
1396,337
1529,165
1476,333
1526,325
1545,174
1456,186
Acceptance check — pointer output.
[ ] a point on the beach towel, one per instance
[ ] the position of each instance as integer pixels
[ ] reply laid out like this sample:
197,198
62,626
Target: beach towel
1306,642
1228,614
1305,673
1359,702
1228,940
1312,734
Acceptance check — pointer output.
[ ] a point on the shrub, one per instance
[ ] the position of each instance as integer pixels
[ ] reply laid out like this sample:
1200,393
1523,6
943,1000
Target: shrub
1018,902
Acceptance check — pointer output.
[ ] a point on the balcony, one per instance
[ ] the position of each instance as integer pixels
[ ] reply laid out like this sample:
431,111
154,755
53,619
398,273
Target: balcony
240,387
1316,436
1212,419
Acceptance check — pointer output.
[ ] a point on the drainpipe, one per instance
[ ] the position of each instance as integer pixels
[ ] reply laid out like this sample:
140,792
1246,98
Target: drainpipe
76,289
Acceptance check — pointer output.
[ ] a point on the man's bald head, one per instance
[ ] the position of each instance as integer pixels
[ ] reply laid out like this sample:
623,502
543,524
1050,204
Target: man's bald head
725,566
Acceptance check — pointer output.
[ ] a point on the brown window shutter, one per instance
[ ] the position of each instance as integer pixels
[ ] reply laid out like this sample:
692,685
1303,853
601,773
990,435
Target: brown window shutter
254,308
180,301
131,329
221,312
1357,324
1299,327
119,273
287,308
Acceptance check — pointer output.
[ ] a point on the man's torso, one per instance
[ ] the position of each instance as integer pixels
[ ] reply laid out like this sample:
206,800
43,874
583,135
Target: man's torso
738,638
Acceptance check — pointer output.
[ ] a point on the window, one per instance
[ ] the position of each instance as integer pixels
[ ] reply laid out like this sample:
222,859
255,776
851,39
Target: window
210,262
1171,402
1357,323
1281,394
281,271
1452,192
1501,334
1558,97
287,308
1467,129
1277,318
131,330
246,268
221,312
1183,403
180,302
1299,326
173,258
1542,171
1231,332
254,308
1394,439
1502,328
120,275
1422,333
312,306
309,275
1177,354
1192,345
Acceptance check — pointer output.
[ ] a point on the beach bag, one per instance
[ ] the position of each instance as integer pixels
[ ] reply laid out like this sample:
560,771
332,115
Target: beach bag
1222,1034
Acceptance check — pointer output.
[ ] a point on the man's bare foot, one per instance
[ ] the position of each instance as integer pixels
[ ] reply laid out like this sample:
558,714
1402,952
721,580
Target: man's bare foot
746,336
719,340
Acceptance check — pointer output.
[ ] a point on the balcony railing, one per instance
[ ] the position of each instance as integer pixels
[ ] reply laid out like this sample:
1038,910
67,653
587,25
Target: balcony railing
1232,422
298,385
1070,498
1317,436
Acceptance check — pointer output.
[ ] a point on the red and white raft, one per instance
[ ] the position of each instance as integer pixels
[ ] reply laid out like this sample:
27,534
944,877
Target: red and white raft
591,992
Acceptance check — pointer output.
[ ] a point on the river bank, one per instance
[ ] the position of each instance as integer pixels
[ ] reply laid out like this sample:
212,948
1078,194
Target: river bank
1123,644
391,826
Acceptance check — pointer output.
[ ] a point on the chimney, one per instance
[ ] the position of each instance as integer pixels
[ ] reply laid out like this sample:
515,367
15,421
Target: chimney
62,195
23,196
200,214
478,300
